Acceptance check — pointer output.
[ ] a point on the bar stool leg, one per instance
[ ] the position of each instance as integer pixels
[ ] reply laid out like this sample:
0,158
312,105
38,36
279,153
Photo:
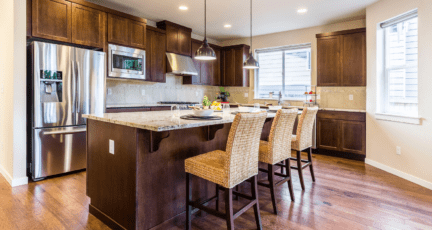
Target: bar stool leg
188,201
290,185
272,187
229,208
217,197
236,189
282,162
311,166
300,170
254,187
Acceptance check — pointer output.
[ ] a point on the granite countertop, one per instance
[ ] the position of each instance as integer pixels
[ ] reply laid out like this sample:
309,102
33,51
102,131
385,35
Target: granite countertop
160,120
137,105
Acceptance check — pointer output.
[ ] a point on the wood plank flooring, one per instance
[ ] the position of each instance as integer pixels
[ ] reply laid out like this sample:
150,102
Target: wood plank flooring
347,195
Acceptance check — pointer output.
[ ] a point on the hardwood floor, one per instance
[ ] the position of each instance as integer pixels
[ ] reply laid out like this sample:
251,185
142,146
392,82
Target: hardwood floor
346,195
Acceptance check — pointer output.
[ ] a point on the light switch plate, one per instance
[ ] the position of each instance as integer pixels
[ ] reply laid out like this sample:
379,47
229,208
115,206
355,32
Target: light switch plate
143,92
318,97
1,89
351,97
109,91
246,94
111,147
398,150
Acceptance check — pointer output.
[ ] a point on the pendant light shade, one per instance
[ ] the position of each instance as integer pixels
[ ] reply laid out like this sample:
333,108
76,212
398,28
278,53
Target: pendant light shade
250,62
205,52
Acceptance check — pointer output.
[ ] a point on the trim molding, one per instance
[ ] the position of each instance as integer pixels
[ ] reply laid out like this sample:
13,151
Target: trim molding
13,182
401,174
397,118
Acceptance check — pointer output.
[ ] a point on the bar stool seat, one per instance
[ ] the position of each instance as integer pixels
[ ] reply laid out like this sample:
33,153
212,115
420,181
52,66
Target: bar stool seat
211,166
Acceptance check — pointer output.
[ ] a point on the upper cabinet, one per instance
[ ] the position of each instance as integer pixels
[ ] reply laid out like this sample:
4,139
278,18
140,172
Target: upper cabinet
88,26
52,19
208,71
127,32
179,38
232,72
155,55
83,23
341,58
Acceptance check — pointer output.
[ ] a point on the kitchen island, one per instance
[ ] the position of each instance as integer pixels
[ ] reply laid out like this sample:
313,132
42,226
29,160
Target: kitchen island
140,182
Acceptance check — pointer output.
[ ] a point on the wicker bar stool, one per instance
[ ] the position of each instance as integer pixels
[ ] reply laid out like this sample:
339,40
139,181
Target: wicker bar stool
229,168
303,140
278,149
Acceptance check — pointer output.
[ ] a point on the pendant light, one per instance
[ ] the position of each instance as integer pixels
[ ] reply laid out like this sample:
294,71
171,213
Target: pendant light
250,62
205,52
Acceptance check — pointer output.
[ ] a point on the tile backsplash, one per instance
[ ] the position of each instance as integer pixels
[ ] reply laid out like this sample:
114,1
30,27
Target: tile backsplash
124,92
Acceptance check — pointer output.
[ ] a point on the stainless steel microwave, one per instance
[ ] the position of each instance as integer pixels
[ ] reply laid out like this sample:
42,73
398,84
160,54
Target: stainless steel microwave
125,62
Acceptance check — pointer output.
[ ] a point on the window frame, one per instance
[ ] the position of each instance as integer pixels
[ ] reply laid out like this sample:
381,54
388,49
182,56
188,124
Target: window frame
281,49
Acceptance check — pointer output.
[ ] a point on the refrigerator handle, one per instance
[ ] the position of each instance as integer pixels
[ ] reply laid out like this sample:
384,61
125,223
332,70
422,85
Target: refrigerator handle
73,91
78,89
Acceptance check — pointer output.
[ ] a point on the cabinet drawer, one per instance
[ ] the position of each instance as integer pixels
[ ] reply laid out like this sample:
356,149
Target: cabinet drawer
338,115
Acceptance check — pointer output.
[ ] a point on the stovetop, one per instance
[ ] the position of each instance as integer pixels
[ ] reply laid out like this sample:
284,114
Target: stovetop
179,102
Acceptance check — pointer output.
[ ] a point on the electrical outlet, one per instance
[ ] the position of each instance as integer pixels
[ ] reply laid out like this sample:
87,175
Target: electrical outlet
351,97
143,92
109,91
111,147
1,89
246,94
318,97
398,150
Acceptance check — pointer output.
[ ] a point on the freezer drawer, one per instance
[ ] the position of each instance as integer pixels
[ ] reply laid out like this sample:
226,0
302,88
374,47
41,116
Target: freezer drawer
58,150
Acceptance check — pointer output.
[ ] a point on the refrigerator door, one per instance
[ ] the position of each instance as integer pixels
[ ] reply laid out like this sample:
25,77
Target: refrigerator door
54,86
90,69
58,150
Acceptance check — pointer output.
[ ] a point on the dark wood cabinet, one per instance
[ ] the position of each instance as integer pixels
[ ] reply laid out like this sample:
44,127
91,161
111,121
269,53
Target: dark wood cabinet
137,109
88,26
341,131
127,32
179,38
232,72
208,71
52,19
341,58
155,55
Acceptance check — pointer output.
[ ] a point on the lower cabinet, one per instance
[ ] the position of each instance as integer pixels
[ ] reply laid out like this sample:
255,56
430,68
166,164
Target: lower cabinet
342,132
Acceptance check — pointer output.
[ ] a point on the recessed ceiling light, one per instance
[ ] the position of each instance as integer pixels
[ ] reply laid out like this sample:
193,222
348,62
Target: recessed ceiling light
227,26
183,8
302,11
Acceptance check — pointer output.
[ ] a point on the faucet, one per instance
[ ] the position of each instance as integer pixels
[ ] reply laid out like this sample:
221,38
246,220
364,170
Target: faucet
280,101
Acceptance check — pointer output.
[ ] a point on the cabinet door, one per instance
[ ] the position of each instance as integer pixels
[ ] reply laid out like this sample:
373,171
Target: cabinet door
155,56
88,26
118,30
354,59
137,34
229,67
184,42
216,75
52,19
195,80
172,39
328,133
353,137
329,61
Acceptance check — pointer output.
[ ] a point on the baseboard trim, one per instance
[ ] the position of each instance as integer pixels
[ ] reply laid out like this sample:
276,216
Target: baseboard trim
398,173
13,182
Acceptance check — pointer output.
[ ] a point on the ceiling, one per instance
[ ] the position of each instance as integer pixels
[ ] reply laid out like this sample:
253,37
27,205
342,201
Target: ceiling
269,16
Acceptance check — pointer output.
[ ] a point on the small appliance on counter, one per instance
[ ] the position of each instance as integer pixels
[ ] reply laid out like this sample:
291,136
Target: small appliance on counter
223,95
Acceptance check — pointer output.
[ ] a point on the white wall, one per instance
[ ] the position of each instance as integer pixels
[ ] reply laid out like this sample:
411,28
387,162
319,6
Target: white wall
13,97
383,136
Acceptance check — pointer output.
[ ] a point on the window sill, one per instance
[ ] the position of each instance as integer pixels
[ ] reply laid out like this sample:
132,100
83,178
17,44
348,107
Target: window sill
398,118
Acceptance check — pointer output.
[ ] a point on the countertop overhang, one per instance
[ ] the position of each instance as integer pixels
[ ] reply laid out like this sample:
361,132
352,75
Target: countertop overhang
160,121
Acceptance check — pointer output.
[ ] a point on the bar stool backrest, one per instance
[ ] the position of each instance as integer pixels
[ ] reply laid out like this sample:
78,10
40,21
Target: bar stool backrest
243,146
281,135
305,128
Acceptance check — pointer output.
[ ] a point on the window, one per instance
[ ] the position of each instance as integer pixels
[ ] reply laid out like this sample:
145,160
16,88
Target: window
400,92
285,69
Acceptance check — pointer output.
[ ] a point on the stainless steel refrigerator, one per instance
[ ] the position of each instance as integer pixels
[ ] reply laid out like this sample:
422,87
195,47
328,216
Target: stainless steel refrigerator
67,82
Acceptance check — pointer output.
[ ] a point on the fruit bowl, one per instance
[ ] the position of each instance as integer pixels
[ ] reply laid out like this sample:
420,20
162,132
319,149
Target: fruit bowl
203,112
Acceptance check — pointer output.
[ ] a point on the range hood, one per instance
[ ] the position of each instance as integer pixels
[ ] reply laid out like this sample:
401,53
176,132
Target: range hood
180,65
